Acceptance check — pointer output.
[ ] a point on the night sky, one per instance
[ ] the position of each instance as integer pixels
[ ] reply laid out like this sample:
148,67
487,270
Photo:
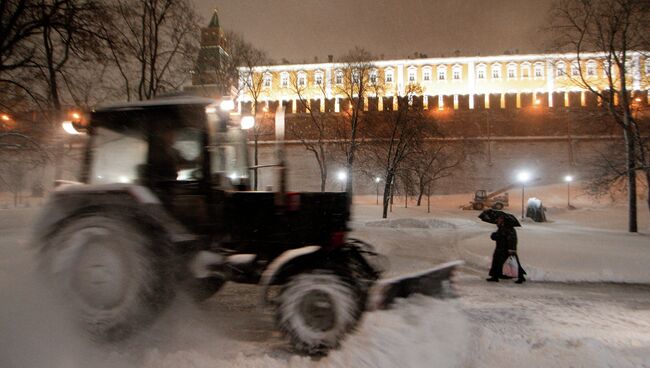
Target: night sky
299,30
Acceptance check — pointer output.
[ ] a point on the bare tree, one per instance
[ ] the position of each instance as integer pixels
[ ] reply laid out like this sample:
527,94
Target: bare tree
314,134
19,156
152,43
433,160
19,25
614,28
355,76
248,59
398,136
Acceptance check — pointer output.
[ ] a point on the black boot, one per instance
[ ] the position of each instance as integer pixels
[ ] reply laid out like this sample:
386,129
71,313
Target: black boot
520,280
493,279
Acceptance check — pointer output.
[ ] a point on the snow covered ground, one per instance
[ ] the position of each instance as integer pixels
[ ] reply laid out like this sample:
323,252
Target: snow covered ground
564,323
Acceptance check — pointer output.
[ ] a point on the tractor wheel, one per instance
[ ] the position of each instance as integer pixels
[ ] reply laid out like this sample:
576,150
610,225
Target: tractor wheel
107,270
317,309
477,206
498,206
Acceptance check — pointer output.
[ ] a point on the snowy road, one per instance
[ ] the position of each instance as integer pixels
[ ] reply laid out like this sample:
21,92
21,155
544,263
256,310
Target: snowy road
490,325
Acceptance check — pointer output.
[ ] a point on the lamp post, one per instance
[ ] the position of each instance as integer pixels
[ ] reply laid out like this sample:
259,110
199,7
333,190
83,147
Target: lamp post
523,177
342,176
568,180
377,180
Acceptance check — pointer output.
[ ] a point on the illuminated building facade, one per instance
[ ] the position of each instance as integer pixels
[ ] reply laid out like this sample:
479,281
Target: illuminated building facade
459,83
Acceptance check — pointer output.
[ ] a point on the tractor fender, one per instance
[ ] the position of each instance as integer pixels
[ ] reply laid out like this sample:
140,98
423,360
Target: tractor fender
76,199
277,268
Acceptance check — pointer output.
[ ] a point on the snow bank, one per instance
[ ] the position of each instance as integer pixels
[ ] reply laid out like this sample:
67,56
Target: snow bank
411,223
418,332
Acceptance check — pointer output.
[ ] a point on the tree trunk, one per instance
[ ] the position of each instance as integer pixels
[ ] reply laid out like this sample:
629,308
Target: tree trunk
255,171
429,199
323,180
421,193
631,180
647,180
388,190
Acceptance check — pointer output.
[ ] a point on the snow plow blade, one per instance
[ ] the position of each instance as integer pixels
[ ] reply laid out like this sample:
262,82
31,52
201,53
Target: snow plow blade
435,282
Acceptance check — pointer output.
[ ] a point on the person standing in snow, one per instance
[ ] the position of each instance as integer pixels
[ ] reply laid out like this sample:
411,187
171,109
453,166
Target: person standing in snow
506,239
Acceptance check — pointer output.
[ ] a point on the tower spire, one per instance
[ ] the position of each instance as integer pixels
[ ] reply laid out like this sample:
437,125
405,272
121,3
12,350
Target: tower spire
214,22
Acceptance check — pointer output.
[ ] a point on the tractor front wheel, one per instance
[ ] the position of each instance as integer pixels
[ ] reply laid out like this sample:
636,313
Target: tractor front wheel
317,309
109,271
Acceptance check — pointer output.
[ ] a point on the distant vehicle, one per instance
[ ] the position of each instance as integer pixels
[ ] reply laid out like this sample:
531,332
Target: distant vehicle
494,200
164,203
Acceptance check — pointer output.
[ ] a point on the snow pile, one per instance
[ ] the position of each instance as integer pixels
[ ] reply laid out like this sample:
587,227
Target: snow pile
418,332
411,223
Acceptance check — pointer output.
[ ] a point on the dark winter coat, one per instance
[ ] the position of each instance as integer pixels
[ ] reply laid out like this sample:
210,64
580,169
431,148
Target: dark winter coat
506,238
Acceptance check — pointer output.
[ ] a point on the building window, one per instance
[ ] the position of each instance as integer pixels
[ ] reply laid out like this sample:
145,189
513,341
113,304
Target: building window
356,76
512,71
411,76
318,78
457,72
442,72
480,71
560,70
647,67
284,80
373,76
268,79
591,68
338,79
575,70
496,71
389,76
426,75
525,70
302,80
539,71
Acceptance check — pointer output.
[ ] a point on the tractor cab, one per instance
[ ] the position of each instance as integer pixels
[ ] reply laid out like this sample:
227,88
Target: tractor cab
480,196
186,150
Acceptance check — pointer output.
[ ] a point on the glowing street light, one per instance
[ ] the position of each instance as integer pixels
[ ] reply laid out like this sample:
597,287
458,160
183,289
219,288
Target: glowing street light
523,177
227,105
5,117
342,176
247,122
568,180
377,180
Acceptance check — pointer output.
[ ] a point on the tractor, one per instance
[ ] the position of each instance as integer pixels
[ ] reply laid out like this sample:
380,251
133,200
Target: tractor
163,204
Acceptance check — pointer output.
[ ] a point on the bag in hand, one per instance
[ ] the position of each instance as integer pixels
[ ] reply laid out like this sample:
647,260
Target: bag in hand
511,267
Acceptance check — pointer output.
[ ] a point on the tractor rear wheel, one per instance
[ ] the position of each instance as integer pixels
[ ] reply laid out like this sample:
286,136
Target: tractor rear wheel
317,309
477,206
111,272
498,206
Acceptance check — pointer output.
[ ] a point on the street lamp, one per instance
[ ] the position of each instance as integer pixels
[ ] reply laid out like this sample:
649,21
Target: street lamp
568,180
342,176
523,177
377,180
247,122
